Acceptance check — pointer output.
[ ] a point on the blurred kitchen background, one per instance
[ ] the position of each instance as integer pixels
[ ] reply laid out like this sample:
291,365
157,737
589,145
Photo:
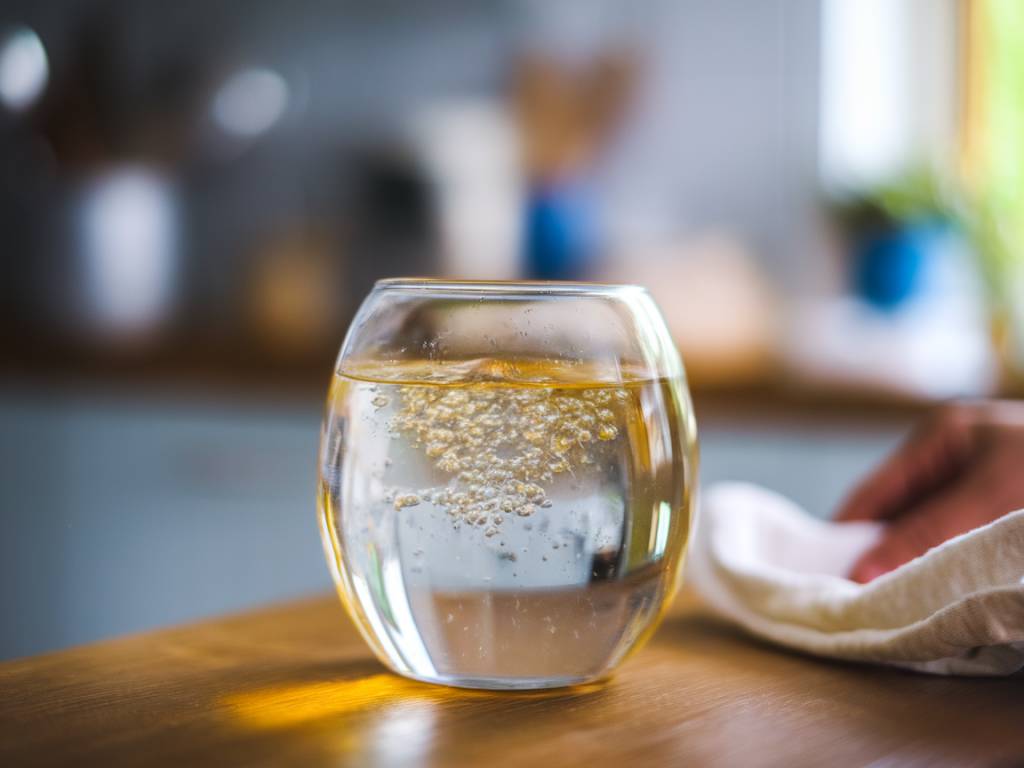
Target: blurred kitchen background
826,198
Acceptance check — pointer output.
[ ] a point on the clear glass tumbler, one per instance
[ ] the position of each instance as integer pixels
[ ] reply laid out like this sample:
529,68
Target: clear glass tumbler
507,473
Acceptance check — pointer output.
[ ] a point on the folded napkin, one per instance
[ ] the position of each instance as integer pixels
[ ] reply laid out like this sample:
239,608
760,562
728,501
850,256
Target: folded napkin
762,562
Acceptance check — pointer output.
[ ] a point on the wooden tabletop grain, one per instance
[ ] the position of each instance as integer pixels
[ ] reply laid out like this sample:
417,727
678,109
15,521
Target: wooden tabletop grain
293,685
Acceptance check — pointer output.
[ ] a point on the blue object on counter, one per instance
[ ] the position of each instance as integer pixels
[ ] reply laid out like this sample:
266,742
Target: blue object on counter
889,265
560,231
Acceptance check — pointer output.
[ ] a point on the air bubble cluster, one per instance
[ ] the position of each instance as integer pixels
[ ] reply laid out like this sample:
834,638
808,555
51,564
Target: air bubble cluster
502,445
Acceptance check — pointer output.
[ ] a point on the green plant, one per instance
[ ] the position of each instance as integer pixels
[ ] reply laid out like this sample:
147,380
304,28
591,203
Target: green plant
919,194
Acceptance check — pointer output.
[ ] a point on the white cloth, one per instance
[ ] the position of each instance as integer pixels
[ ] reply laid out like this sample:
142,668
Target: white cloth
760,561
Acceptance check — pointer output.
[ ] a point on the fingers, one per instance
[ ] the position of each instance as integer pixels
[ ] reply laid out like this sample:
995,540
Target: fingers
930,458
956,511
959,472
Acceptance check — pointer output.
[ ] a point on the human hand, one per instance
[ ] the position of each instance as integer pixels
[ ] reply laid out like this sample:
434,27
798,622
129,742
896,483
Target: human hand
963,468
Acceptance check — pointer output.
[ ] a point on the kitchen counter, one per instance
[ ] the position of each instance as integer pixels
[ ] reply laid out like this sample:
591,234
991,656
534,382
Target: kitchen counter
293,684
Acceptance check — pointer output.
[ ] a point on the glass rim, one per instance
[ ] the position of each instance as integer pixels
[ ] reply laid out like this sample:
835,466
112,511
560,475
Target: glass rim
522,287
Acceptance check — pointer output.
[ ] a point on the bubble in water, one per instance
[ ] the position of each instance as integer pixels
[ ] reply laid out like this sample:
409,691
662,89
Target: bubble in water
501,446
406,500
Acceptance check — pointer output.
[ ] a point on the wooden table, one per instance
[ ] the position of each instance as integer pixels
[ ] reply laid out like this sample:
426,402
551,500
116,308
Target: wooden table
294,685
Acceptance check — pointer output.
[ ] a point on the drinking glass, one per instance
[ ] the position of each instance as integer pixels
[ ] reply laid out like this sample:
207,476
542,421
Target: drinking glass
507,474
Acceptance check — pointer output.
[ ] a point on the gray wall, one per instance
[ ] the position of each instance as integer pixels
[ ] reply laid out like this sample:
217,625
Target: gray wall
725,136
723,133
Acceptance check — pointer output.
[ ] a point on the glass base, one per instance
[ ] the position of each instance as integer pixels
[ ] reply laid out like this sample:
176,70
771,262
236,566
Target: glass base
506,683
